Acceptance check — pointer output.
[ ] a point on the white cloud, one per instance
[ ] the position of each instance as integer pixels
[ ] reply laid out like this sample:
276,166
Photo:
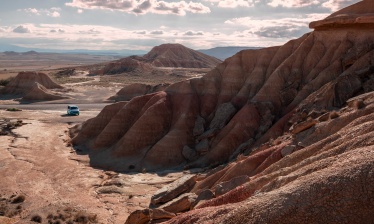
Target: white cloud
293,3
157,32
292,27
142,6
32,10
233,3
52,12
21,29
141,32
333,5
95,37
192,33
80,11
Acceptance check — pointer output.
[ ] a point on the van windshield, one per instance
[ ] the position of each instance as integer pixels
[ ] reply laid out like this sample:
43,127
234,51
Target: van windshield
73,108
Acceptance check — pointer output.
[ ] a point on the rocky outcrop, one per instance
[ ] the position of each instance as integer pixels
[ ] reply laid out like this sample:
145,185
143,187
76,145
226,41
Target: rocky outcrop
25,81
149,216
39,93
137,89
32,86
173,190
359,15
302,186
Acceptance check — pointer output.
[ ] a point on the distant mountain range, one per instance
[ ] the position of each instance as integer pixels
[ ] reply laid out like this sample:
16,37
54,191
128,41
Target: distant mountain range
122,52
218,52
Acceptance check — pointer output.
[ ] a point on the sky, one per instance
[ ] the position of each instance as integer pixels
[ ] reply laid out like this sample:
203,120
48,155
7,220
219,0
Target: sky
143,24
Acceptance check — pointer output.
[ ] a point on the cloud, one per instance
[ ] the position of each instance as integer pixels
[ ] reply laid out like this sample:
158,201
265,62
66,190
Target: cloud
21,29
192,33
293,3
90,31
80,11
52,12
32,11
142,6
292,27
141,32
55,31
157,32
234,3
333,5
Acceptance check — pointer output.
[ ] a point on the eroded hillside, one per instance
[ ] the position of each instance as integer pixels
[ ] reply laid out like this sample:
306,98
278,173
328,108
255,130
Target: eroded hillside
300,116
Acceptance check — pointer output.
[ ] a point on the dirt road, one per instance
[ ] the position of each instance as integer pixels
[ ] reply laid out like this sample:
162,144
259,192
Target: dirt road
38,163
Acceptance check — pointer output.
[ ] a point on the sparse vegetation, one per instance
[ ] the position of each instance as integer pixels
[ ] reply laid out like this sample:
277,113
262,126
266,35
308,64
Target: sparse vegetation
71,216
4,82
36,218
18,199
13,109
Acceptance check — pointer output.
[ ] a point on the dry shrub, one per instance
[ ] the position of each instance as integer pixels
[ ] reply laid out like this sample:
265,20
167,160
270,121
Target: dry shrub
36,218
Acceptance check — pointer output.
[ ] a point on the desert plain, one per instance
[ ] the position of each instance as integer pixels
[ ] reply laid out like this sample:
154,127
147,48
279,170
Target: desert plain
39,163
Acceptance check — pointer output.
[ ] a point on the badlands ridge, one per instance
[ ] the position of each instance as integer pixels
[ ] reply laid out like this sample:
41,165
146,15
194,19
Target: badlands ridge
285,133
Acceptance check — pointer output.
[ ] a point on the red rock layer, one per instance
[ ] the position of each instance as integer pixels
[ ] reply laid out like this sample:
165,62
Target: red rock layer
249,99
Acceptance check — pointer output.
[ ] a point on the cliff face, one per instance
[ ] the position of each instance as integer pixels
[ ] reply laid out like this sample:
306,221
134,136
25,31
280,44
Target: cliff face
241,100
300,117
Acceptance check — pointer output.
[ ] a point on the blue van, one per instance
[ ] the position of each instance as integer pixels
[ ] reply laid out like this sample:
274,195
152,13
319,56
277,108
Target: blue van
73,110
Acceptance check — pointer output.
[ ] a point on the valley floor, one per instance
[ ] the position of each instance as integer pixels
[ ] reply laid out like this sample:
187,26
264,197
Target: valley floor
38,165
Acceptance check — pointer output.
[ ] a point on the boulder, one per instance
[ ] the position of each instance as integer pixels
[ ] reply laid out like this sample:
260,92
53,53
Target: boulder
206,194
222,116
171,191
288,150
180,204
189,153
146,215
297,128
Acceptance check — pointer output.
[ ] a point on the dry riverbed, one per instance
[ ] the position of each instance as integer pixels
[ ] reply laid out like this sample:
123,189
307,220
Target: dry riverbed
44,180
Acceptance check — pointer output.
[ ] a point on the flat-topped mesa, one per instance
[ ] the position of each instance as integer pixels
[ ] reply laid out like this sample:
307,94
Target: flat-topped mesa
359,15
177,55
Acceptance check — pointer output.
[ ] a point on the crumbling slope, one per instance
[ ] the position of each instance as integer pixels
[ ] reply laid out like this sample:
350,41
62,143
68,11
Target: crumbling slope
242,103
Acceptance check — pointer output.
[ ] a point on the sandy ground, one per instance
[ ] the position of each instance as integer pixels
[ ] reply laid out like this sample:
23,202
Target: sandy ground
38,163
